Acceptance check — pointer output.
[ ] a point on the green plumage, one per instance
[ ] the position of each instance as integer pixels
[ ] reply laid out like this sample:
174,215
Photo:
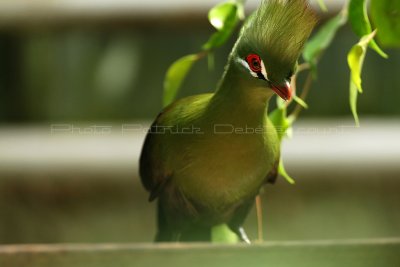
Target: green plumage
206,156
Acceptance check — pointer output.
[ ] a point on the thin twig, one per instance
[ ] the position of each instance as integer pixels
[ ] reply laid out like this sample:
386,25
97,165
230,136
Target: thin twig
259,218
303,96
302,67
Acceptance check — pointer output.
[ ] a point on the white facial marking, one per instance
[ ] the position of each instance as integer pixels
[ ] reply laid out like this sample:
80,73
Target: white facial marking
244,63
287,84
263,70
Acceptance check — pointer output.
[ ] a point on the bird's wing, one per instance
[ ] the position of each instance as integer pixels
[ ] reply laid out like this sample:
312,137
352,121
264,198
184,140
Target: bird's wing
156,160
153,172
273,173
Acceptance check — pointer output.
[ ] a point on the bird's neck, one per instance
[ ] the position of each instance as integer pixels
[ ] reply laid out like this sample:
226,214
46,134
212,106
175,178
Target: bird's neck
238,100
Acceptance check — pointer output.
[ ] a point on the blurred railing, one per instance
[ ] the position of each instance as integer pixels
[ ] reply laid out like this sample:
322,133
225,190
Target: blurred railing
97,147
25,12
354,253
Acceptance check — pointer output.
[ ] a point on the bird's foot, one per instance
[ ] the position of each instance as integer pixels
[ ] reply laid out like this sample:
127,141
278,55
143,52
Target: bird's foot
242,235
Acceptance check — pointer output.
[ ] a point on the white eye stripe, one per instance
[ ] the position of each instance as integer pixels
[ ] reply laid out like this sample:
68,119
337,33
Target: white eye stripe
263,70
244,63
254,74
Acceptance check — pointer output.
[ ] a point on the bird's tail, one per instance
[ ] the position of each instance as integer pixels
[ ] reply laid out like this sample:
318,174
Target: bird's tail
169,233
164,234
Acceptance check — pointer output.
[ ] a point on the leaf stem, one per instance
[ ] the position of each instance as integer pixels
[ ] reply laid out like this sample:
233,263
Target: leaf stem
322,5
303,96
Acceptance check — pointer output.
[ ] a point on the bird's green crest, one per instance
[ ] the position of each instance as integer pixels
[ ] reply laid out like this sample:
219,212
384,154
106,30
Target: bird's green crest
279,29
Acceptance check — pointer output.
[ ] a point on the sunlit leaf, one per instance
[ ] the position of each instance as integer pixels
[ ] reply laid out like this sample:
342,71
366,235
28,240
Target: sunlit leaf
322,39
359,21
223,234
355,59
283,128
280,102
175,76
385,16
240,8
300,101
280,121
322,5
219,14
225,29
283,173
289,132
353,102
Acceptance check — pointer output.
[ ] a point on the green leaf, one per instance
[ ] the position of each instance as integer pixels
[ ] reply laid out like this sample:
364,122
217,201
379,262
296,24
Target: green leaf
323,38
279,120
175,76
355,59
282,171
353,102
223,234
300,101
220,13
385,16
225,29
322,5
358,17
280,102
283,128
240,9
359,21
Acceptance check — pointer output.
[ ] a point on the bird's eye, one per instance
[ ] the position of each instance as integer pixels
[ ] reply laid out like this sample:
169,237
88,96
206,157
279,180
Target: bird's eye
254,62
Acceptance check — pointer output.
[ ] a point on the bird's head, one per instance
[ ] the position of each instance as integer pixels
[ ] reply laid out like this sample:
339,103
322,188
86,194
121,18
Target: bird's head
271,41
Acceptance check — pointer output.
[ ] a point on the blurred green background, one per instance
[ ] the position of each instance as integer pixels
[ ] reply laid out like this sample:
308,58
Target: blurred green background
108,67
115,72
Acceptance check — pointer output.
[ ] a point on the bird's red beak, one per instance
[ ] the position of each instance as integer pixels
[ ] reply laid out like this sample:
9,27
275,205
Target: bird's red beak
284,91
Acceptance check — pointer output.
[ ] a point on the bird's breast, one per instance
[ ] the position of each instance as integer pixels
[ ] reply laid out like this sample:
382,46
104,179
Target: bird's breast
220,170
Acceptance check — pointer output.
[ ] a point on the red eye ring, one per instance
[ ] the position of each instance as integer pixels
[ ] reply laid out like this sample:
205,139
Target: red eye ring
254,62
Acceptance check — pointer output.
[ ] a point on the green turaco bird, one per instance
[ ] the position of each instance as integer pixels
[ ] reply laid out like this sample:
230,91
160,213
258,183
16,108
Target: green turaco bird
206,157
